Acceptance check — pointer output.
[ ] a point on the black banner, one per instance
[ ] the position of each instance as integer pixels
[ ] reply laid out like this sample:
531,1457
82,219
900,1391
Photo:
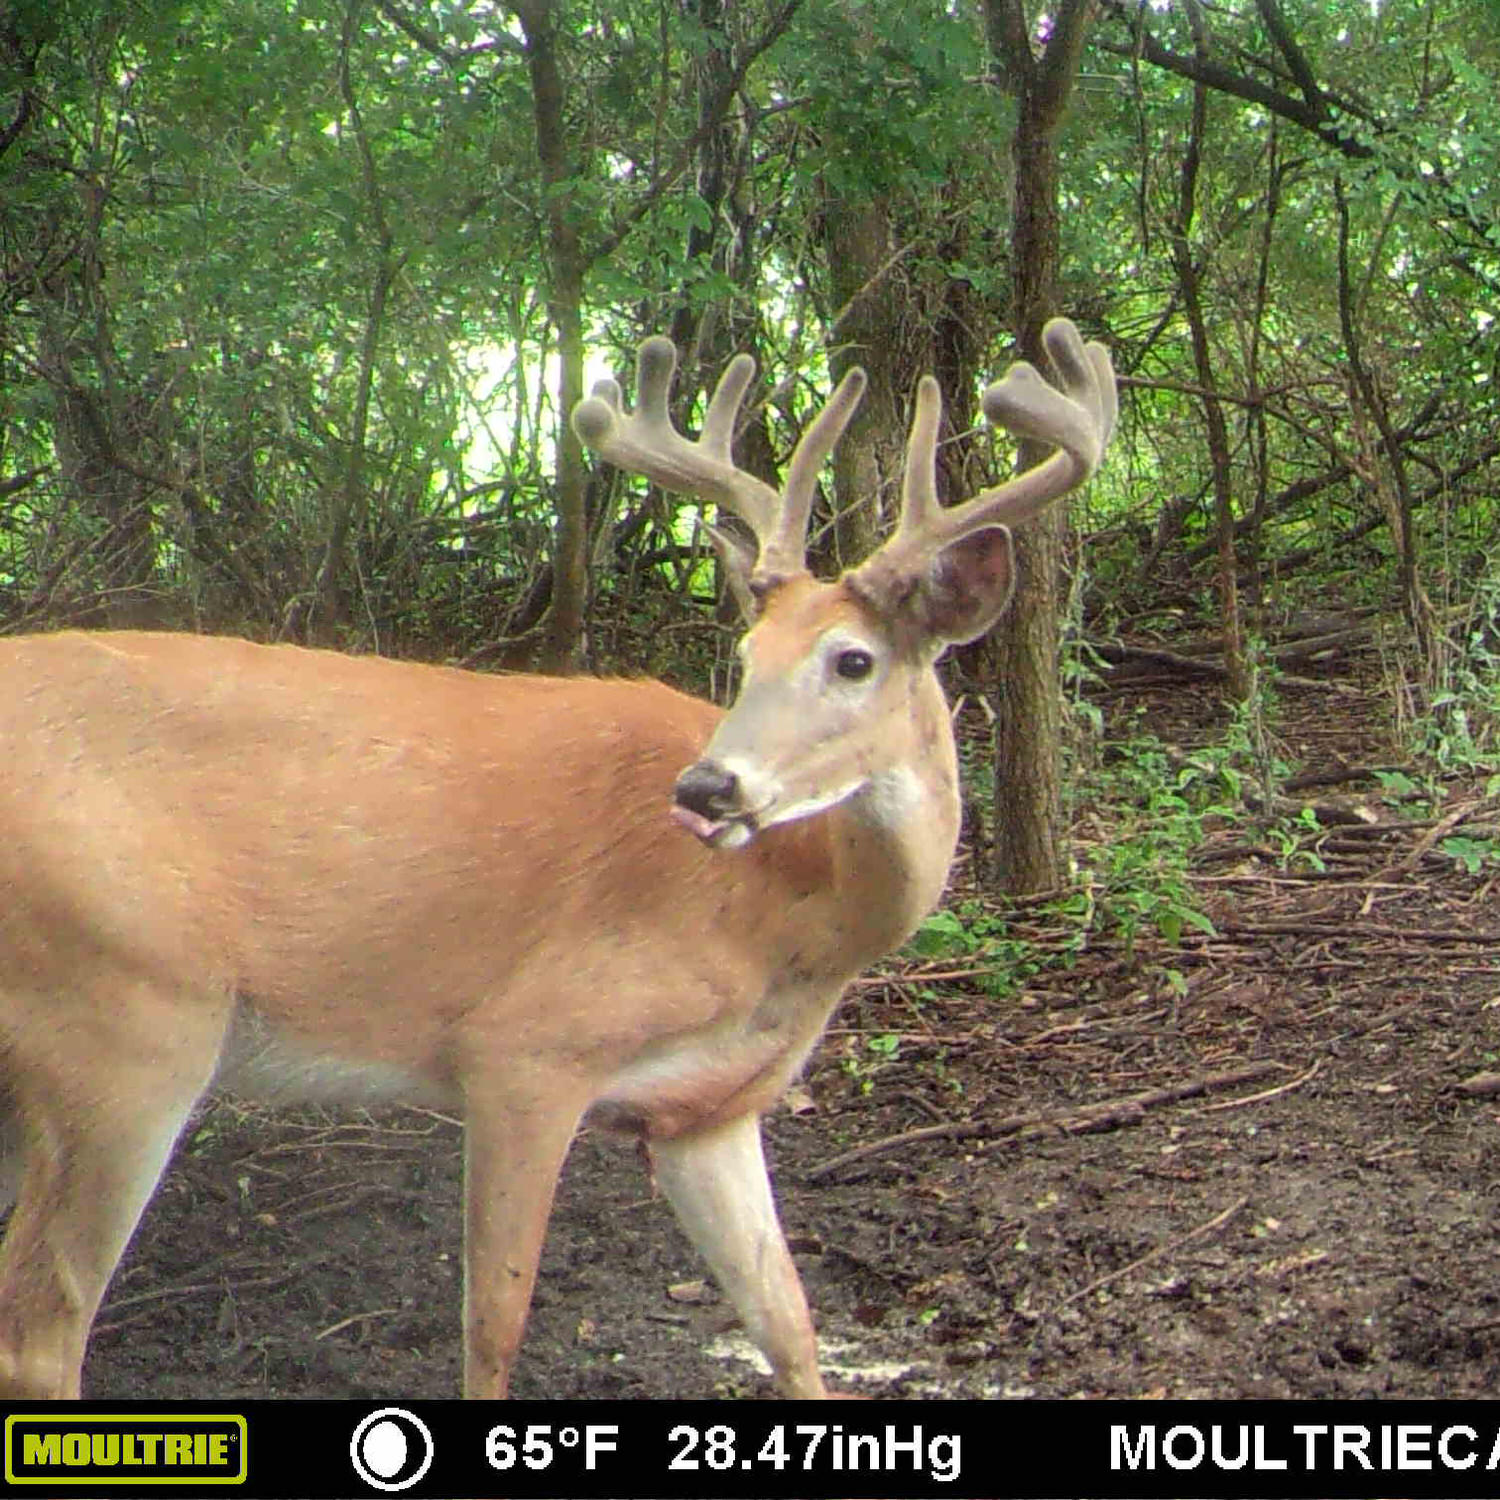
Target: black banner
333,1450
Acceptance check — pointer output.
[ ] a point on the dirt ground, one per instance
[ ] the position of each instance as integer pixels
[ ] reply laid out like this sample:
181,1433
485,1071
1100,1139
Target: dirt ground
1267,1186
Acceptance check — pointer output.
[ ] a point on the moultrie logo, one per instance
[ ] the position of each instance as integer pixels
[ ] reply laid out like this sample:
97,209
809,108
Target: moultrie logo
104,1450
391,1449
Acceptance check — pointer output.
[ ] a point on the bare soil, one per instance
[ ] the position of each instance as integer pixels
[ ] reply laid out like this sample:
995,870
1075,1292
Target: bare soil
1270,1185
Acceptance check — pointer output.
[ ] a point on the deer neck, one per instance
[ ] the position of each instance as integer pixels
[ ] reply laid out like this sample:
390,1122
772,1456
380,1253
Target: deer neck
892,842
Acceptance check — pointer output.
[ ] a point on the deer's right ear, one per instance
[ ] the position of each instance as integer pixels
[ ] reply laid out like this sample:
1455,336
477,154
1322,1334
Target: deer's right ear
949,596
967,586
739,558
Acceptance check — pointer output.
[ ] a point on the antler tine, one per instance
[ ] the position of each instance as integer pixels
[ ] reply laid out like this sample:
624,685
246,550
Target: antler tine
645,442
1076,419
785,552
920,507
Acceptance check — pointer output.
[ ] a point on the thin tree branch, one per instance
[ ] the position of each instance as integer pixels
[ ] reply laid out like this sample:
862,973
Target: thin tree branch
1205,70
711,118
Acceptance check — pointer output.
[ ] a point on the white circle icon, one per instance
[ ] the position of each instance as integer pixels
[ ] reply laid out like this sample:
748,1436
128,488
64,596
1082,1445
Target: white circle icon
391,1449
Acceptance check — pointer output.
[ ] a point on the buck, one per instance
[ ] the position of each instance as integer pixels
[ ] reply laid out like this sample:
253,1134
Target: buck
303,875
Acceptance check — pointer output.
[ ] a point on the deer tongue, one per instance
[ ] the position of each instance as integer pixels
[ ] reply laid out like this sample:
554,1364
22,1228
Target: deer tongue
696,824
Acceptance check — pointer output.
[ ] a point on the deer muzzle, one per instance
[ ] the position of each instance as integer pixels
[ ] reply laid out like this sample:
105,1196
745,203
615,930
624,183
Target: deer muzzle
707,801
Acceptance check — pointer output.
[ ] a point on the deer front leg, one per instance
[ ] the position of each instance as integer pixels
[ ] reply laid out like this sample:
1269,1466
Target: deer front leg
513,1152
717,1184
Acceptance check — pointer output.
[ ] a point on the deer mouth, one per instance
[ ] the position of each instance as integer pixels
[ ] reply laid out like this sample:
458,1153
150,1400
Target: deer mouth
718,833
708,801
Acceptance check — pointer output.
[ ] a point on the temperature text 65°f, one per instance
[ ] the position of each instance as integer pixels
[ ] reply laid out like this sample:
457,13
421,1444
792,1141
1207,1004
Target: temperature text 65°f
536,1446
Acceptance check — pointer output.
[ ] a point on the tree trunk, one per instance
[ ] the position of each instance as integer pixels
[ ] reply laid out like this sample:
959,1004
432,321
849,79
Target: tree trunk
563,630
104,420
1028,844
866,331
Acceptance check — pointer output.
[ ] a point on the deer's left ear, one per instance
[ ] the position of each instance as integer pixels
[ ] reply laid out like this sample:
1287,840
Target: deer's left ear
967,586
738,559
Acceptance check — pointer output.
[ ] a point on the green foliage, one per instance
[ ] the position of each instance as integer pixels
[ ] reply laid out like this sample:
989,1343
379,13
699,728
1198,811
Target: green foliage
1469,853
876,1053
1137,879
196,223
1295,840
891,92
943,934
976,937
1461,728
1398,785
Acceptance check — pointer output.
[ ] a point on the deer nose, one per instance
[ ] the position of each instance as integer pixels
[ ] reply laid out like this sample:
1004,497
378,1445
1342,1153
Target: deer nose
708,790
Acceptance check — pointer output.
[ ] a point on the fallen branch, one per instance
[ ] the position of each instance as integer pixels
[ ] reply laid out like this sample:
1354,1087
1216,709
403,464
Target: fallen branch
359,1317
1264,1094
1359,931
1328,814
1178,665
1093,1117
1478,1086
1442,827
1337,775
1217,1222
1364,1028
223,1285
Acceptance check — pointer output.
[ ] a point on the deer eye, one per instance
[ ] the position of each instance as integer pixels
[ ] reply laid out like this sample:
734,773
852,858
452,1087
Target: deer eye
854,665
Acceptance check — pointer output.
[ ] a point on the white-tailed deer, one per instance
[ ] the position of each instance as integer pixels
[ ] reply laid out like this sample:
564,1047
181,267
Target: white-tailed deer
306,875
